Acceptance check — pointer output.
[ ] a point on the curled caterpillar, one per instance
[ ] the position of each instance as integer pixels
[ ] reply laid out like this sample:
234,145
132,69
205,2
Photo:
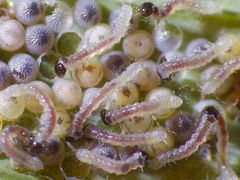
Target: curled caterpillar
12,138
48,118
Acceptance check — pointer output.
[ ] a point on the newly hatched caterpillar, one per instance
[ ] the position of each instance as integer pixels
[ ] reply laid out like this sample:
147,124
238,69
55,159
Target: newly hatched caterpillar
118,167
48,118
12,140
220,75
163,104
207,118
119,28
201,58
133,73
147,138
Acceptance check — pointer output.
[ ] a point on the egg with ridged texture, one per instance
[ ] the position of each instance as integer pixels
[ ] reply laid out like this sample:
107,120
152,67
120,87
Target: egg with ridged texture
89,74
12,35
138,45
87,13
68,94
5,76
39,39
24,68
167,37
29,12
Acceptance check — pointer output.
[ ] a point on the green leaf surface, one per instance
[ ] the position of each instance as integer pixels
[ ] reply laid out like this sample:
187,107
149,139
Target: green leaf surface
7,173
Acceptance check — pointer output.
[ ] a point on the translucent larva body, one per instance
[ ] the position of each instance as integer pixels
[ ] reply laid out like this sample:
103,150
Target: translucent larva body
132,73
210,71
29,12
118,167
8,137
150,137
114,63
24,68
39,39
201,57
220,75
47,121
5,76
105,150
207,118
68,93
233,49
163,104
138,45
169,56
118,29
195,45
12,35
167,37
32,103
87,13
198,107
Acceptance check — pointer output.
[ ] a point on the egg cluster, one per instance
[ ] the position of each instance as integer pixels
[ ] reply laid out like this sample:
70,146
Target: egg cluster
122,77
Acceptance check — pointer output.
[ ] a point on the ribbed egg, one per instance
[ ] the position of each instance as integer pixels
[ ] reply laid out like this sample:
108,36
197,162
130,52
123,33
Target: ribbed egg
24,68
167,37
39,39
87,13
5,76
29,12
68,93
12,35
